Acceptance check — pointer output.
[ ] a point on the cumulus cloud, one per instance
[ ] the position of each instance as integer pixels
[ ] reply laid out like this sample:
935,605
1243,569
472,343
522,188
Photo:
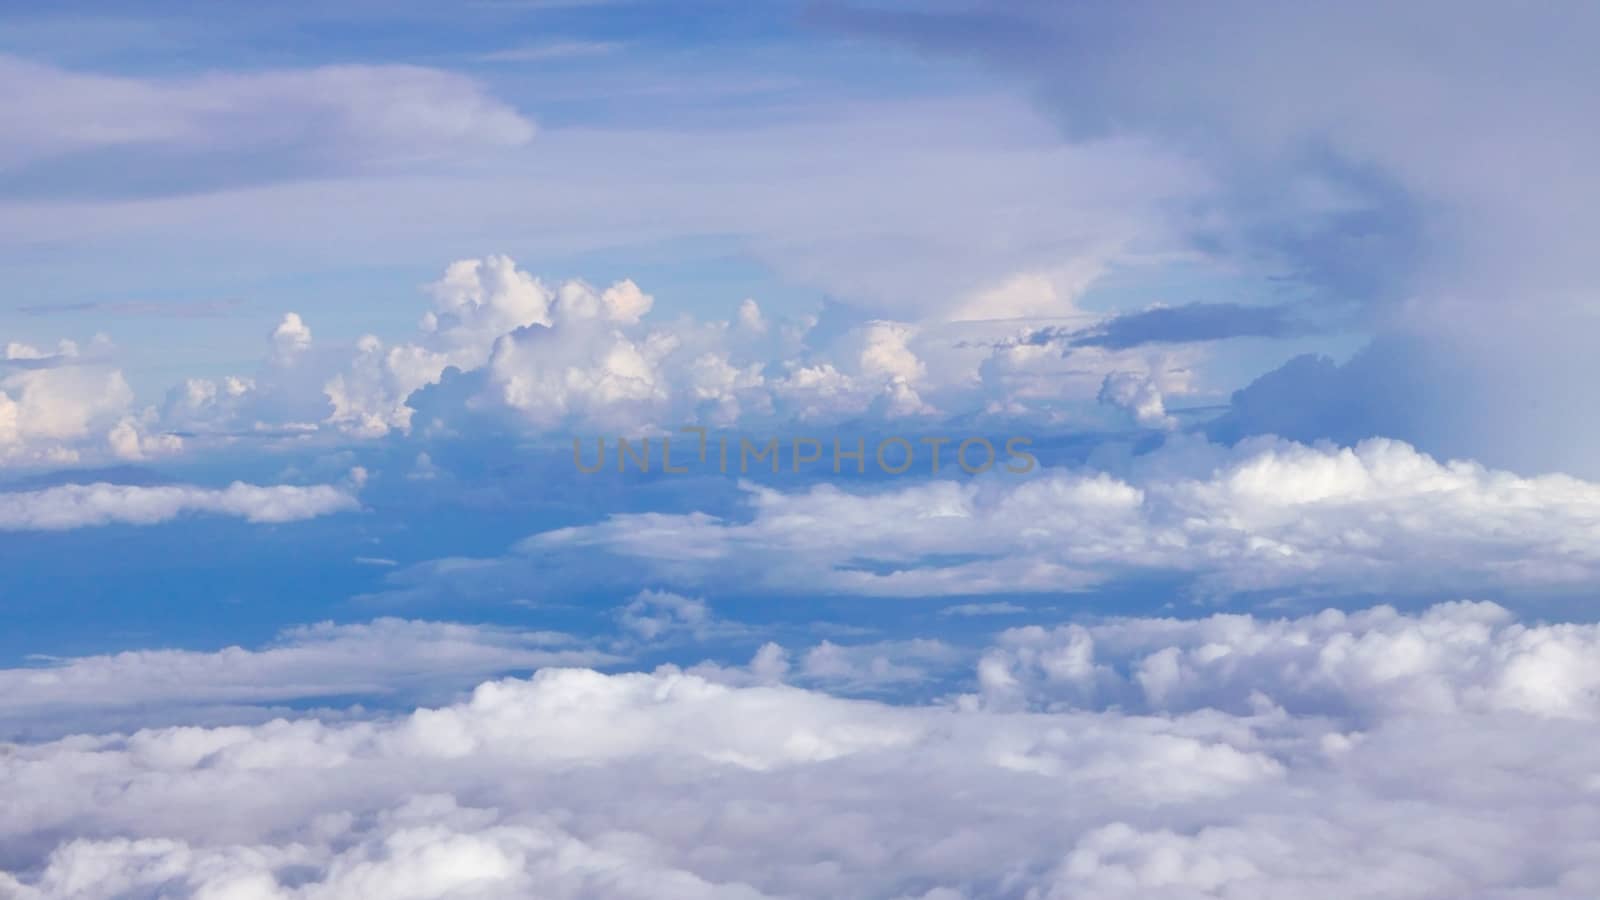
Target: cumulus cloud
291,338
70,506
1140,396
499,349
651,615
60,406
578,784
45,413
1358,667
543,358
1028,376
1263,516
858,669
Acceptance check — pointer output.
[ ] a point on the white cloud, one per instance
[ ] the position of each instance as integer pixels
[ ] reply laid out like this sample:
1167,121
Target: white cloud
653,614
543,358
291,338
1141,396
1454,658
865,667
131,439
85,505
750,316
51,410
1034,295
1263,516
860,669
58,408
578,784
1040,380
545,354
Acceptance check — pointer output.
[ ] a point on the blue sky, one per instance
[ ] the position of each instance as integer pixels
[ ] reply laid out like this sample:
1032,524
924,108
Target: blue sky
306,305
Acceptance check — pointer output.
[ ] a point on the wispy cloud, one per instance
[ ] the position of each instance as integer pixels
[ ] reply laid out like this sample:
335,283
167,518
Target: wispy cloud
195,309
75,133
548,52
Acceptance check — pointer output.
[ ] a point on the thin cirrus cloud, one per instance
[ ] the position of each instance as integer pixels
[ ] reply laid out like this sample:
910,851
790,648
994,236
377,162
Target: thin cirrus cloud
848,227
176,309
377,659
224,129
391,661
550,52
68,506
578,784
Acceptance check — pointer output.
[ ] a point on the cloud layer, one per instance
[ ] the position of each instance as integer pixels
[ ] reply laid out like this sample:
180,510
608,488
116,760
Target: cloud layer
1263,516
578,784
373,660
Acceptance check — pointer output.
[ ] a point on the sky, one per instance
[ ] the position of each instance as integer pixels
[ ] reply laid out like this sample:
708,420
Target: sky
611,448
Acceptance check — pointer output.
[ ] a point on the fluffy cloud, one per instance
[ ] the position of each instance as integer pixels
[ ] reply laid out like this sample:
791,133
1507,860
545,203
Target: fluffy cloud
654,614
475,304
537,354
1141,396
546,358
578,784
543,357
863,669
56,407
84,505
1029,375
1361,667
291,338
1263,516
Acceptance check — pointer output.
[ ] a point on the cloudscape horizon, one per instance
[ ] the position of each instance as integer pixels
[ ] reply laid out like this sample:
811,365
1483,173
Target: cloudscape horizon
935,450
